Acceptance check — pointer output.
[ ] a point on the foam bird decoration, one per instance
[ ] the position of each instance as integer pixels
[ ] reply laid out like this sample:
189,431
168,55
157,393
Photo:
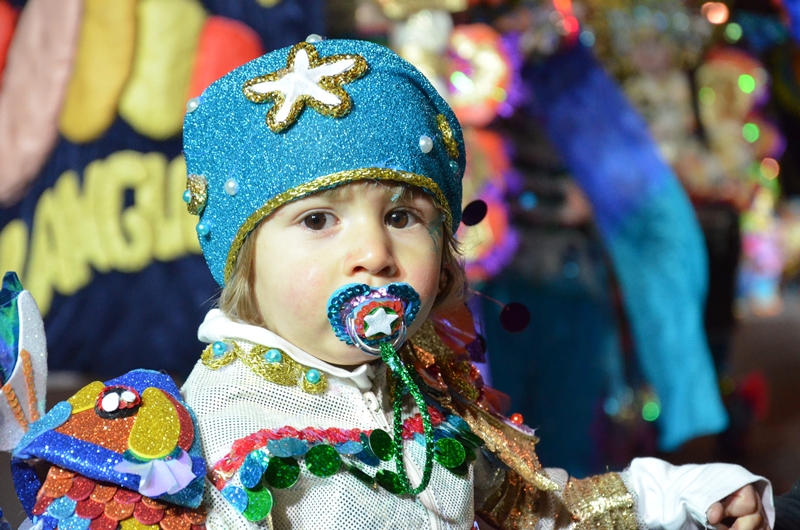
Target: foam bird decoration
128,441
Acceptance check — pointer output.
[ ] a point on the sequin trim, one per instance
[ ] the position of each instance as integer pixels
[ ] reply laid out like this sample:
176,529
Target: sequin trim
602,501
329,181
514,447
27,368
331,84
13,403
455,448
287,372
448,137
197,185
227,466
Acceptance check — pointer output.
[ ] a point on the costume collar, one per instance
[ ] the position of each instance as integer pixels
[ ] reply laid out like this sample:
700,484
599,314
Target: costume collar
217,326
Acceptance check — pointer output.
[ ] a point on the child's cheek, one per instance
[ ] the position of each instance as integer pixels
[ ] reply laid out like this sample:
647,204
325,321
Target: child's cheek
308,286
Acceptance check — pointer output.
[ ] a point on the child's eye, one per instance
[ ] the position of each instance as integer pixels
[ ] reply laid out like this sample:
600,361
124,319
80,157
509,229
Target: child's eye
318,220
400,219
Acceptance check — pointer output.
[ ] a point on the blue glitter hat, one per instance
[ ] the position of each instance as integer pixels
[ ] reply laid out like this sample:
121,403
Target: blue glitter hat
311,117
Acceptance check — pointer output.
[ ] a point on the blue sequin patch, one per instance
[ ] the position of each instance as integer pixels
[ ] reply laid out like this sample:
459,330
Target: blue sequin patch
62,508
349,448
236,497
74,523
251,471
287,447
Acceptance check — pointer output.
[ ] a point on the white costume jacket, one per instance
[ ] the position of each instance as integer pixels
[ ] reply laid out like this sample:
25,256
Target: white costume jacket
259,391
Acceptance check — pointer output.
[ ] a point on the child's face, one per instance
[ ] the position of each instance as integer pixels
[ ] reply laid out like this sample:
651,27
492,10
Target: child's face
365,232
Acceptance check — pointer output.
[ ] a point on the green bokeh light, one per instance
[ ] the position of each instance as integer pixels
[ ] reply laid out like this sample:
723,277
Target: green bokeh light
651,411
750,132
462,82
747,83
707,95
733,32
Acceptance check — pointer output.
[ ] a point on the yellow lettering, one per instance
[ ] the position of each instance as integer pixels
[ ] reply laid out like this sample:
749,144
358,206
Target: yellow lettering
40,276
125,233
68,228
98,227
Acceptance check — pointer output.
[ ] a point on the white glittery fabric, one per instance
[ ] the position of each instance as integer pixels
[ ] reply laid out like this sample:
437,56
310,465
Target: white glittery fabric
233,402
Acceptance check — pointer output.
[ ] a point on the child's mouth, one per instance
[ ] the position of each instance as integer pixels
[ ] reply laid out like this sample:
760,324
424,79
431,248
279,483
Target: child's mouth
369,316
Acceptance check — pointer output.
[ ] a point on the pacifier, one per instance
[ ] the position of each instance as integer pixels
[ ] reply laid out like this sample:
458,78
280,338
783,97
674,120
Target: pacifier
376,319
370,316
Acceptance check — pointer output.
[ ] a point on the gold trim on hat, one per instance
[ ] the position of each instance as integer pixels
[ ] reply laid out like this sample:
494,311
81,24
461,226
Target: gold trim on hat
330,181
448,137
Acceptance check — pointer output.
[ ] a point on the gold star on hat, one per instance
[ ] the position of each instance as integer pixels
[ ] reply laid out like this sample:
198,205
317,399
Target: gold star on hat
307,80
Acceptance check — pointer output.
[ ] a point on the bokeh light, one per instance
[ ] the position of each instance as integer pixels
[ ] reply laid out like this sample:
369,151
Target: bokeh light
715,12
770,168
747,83
499,94
751,132
733,32
462,82
707,95
651,411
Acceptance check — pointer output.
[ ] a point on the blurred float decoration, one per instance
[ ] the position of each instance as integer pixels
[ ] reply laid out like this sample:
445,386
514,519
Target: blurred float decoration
477,72
626,34
744,147
789,214
762,261
140,61
483,83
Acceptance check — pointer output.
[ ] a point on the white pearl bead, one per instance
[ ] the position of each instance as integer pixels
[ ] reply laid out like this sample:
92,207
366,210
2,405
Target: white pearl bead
192,105
128,396
425,144
110,402
314,38
231,187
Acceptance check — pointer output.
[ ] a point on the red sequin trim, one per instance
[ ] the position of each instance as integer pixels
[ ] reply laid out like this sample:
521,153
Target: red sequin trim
224,469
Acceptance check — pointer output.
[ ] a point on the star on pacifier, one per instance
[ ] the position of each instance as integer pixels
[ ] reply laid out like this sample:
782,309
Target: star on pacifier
380,322
307,80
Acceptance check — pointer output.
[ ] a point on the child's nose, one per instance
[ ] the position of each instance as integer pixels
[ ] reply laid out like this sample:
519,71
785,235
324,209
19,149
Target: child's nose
371,252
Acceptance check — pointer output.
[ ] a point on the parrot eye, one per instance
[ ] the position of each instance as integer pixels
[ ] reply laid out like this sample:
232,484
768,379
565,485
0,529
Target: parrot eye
117,402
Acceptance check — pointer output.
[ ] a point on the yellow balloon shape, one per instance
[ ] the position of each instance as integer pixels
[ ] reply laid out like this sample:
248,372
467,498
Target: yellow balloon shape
86,397
157,427
154,101
102,66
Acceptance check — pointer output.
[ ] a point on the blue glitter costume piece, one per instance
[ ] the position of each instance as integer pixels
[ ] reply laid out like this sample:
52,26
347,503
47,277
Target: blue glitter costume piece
226,137
9,325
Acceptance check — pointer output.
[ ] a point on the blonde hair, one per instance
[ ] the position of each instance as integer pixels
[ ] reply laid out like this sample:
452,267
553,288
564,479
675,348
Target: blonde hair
238,302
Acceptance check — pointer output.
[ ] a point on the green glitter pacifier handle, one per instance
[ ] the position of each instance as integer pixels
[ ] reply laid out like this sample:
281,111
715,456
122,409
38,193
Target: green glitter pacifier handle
390,357
376,320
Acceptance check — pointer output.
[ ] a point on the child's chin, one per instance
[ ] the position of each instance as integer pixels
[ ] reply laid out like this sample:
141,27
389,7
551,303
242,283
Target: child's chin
345,355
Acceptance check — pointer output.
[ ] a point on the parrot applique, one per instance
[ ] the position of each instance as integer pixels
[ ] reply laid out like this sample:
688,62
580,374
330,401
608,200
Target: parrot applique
124,453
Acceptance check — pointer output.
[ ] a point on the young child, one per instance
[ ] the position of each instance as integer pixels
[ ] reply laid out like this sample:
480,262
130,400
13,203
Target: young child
327,181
